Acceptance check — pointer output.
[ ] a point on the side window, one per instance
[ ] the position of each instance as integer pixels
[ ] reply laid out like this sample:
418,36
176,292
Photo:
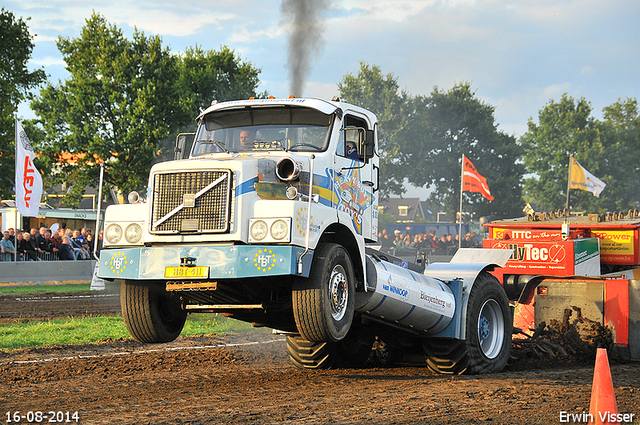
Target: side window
347,142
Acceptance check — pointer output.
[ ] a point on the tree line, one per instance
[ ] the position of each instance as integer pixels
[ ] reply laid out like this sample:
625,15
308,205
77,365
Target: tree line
125,101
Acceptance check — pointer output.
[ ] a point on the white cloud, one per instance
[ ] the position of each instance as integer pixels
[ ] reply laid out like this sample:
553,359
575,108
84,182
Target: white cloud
48,61
554,91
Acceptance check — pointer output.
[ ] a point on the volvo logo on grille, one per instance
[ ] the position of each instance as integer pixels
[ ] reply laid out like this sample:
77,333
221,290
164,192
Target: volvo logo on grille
189,200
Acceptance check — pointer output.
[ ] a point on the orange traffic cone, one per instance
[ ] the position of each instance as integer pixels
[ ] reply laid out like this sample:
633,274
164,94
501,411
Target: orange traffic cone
603,408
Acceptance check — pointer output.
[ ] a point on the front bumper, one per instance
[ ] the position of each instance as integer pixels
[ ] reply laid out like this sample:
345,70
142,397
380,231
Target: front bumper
224,261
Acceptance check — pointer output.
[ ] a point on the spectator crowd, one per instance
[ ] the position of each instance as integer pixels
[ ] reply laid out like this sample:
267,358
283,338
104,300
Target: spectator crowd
446,244
45,245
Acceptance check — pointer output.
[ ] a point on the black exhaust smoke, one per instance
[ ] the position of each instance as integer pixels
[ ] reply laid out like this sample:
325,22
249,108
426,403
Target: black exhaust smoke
305,37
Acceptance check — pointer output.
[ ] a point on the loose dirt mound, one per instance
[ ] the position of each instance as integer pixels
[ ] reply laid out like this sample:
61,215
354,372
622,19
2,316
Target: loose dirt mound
248,378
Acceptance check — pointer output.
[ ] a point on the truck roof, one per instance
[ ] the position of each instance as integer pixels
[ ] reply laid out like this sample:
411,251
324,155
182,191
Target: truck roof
324,106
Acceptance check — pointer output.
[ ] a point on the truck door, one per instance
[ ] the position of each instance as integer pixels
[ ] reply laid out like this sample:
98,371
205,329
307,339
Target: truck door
354,178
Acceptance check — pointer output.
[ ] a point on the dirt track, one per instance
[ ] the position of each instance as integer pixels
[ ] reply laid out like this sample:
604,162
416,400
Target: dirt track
204,380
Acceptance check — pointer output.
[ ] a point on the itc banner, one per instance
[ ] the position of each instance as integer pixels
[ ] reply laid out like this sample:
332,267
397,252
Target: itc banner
28,179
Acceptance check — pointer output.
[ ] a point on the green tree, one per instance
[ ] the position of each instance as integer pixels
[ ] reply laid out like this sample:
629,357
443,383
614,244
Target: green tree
16,83
621,138
118,103
444,126
205,76
564,128
381,94
208,75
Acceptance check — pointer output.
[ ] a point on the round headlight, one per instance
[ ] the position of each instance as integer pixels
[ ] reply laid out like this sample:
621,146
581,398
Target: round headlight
133,233
279,230
259,230
113,234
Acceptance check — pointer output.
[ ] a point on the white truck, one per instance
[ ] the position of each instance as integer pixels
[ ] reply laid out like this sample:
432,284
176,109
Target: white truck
268,219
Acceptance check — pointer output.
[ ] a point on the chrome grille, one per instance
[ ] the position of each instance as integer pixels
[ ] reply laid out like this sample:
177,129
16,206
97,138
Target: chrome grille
194,201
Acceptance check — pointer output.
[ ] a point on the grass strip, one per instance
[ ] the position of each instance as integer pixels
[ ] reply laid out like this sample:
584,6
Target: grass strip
30,289
90,330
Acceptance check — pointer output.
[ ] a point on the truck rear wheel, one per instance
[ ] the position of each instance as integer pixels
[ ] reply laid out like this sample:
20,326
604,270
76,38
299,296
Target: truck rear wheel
488,334
150,313
323,304
351,351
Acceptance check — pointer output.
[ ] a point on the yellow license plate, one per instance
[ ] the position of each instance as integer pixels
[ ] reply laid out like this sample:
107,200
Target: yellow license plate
186,272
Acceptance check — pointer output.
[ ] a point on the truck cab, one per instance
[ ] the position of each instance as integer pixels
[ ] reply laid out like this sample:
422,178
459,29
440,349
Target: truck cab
264,217
236,221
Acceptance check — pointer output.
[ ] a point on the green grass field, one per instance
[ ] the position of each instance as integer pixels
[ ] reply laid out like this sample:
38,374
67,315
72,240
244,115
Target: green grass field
45,288
88,330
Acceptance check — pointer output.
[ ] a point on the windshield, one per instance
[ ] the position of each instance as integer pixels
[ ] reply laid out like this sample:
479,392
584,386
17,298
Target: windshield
263,129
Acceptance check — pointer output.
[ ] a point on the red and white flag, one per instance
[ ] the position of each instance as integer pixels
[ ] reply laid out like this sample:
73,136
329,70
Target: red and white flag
28,179
472,181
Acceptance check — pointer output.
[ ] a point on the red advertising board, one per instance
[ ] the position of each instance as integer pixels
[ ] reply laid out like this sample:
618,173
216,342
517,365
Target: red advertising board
554,258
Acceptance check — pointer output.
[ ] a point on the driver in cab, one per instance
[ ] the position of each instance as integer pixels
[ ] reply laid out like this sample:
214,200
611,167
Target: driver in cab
247,139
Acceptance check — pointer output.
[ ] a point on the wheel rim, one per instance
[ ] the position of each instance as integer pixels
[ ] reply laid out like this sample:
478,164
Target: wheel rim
491,329
338,292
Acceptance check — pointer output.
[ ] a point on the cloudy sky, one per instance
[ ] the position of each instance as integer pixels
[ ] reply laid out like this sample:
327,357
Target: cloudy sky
517,54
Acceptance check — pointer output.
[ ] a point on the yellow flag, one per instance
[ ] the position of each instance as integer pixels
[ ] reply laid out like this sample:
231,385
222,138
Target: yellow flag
579,178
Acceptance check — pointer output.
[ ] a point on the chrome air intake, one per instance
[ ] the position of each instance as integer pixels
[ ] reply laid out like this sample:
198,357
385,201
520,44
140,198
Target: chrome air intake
287,169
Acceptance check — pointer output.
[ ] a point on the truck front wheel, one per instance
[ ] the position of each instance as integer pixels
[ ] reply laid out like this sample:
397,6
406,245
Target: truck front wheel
150,313
323,304
488,334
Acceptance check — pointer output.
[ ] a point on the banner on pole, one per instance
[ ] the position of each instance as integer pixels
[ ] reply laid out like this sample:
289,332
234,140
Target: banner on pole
472,181
28,179
580,178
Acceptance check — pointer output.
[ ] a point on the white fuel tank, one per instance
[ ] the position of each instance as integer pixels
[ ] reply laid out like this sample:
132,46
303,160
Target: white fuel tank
407,298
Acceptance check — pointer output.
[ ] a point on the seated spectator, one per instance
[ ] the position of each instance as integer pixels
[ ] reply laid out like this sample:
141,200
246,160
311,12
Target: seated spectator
84,253
8,250
66,252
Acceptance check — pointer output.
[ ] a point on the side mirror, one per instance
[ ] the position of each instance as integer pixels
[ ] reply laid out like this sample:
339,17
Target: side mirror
368,144
180,142
181,145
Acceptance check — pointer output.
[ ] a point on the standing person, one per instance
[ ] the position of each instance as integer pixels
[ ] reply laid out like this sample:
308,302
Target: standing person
433,240
21,246
40,235
75,240
466,242
83,235
55,245
99,242
31,249
47,245
397,241
8,249
442,249
12,235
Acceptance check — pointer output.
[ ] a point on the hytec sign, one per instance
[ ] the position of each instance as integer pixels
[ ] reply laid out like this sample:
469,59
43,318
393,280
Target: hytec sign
558,258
